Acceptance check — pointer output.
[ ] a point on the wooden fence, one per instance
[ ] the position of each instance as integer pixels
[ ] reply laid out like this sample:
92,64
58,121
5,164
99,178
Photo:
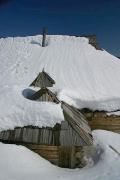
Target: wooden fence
60,135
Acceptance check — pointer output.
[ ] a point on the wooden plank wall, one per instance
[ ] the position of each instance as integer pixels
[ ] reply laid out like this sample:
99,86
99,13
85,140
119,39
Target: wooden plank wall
100,120
78,122
60,135
62,156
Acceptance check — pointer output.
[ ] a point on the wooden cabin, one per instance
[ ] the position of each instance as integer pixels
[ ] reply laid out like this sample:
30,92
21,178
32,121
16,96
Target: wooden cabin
65,145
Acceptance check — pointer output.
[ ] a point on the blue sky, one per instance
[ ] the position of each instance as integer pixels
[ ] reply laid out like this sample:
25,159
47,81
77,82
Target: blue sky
74,17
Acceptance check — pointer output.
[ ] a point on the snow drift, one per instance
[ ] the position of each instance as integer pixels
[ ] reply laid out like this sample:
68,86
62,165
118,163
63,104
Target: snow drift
17,162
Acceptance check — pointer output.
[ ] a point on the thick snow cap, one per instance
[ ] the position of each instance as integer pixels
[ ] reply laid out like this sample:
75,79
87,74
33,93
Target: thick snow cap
85,78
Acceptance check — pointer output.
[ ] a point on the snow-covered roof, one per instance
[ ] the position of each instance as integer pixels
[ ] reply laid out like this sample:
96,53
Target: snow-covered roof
84,76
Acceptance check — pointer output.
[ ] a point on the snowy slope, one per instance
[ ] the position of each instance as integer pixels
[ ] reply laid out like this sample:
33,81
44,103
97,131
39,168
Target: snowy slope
17,162
85,77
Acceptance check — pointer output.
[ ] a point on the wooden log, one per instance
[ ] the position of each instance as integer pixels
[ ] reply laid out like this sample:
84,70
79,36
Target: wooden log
105,121
50,153
106,127
42,147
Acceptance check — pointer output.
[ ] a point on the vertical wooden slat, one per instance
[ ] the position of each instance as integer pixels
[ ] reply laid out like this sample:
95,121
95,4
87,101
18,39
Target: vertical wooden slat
35,135
18,134
44,37
56,134
11,135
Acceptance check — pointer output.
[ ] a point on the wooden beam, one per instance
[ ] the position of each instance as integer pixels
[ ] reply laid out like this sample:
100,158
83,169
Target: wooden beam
44,36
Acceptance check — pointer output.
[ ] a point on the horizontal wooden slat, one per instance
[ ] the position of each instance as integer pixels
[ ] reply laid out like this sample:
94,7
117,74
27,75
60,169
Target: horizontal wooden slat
111,127
105,121
38,146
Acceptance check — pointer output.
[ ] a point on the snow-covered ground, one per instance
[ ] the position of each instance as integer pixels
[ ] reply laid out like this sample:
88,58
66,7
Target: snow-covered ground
17,162
85,77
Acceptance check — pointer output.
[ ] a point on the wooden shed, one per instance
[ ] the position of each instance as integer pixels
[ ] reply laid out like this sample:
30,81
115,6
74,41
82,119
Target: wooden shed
64,145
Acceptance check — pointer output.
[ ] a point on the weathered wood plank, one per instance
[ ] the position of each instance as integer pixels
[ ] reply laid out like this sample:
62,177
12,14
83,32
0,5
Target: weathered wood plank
35,135
27,134
81,127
